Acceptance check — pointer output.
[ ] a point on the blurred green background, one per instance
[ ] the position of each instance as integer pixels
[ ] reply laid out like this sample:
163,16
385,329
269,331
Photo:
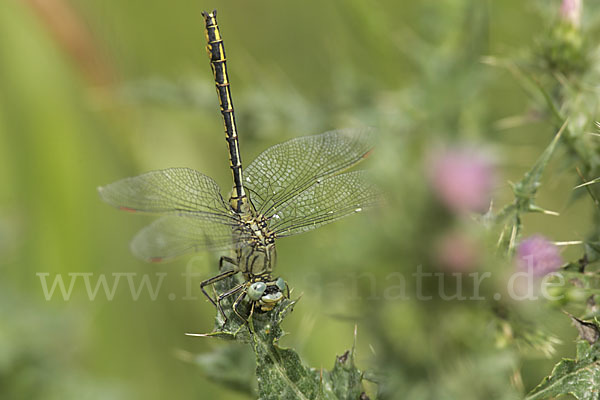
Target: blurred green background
94,91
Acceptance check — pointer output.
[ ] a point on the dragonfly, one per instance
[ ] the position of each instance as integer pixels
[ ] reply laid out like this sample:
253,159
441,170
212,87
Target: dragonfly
290,188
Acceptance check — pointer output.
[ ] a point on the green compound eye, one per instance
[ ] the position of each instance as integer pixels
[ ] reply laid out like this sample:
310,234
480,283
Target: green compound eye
256,290
280,283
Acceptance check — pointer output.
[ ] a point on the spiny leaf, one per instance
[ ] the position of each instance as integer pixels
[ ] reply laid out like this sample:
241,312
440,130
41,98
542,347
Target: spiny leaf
528,186
345,379
588,331
525,191
282,375
579,377
279,371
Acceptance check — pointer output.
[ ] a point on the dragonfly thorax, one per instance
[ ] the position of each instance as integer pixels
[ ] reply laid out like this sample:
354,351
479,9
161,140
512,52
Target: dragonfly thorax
258,255
259,229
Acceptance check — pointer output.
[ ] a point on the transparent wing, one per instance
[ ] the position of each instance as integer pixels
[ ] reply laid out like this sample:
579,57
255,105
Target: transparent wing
171,236
325,202
287,169
169,191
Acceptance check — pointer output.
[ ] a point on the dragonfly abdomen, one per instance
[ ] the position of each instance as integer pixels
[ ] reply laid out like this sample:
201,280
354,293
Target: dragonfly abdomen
216,52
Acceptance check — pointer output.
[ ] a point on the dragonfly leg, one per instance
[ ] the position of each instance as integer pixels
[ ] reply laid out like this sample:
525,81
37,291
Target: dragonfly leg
215,279
251,311
248,321
228,293
228,259
237,302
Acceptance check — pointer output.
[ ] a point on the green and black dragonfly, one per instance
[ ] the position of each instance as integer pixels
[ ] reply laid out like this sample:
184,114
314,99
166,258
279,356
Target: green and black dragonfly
290,188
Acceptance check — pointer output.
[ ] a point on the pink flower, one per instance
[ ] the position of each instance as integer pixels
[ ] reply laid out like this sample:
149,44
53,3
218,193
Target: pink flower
538,255
462,179
570,11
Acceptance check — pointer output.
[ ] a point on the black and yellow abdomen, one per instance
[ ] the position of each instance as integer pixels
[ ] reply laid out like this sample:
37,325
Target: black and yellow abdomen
216,52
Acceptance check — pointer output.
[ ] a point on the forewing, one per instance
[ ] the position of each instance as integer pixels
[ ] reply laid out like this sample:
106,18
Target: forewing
171,236
325,202
169,191
287,169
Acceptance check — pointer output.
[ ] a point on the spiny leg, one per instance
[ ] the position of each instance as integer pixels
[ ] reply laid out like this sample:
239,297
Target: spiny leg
228,293
236,303
249,322
228,259
250,315
215,279
222,261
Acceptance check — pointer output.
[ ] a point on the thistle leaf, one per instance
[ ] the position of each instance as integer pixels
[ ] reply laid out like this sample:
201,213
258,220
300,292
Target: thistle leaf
279,371
579,377
527,187
282,375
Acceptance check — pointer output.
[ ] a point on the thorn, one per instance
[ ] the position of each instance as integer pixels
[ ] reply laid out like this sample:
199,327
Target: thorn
587,183
513,238
568,243
501,237
535,208
594,198
491,208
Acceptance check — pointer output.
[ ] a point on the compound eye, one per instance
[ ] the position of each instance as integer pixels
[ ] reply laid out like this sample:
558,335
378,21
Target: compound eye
256,290
280,283
272,298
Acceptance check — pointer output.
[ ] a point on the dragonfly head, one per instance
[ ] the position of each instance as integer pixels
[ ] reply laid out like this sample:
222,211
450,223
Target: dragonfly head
256,290
267,292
